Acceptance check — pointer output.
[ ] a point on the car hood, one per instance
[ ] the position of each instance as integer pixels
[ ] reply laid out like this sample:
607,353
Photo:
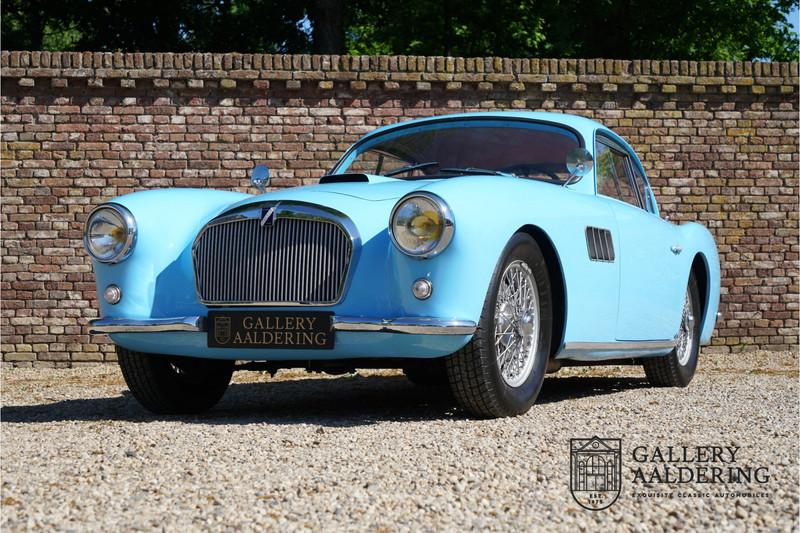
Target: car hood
367,203
372,189
369,191
360,189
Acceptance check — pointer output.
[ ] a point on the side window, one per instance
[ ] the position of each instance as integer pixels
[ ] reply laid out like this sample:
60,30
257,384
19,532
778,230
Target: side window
641,185
606,184
613,178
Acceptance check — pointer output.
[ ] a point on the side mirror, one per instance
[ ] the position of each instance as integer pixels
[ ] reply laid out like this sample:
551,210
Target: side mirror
260,177
579,163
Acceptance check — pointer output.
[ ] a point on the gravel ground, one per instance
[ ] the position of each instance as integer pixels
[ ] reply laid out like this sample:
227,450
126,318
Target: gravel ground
372,452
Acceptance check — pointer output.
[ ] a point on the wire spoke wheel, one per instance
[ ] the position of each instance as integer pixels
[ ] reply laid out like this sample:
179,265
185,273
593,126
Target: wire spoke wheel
685,339
516,323
500,371
677,368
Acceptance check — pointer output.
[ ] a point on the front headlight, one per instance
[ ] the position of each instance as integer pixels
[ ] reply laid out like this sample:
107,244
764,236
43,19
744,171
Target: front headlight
110,233
421,225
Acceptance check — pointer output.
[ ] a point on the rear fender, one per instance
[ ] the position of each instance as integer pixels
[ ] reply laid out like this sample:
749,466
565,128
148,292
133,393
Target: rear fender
699,243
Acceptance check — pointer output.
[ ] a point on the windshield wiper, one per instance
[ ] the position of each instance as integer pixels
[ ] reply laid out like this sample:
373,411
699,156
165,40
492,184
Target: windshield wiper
409,168
473,170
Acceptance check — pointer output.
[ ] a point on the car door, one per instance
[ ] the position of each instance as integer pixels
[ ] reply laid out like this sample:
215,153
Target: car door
650,296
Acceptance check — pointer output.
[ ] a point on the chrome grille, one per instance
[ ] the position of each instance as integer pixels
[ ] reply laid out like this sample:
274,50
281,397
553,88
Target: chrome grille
295,261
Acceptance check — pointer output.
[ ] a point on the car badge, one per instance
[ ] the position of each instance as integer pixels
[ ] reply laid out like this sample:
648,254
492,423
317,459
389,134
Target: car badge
222,329
268,215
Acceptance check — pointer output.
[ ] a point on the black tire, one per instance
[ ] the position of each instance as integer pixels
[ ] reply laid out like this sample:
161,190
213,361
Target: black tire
174,385
667,371
427,372
474,372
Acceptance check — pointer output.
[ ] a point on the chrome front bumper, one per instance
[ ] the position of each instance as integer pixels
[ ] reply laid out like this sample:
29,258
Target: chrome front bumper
409,325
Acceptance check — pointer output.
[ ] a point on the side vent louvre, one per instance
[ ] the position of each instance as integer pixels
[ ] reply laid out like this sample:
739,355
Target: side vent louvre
600,244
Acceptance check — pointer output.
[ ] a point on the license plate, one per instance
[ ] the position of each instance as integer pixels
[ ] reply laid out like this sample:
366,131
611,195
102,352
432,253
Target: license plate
268,329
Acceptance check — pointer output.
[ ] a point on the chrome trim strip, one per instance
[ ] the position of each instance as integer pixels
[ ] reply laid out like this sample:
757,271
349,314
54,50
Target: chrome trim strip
125,325
598,351
410,325
413,325
291,210
621,345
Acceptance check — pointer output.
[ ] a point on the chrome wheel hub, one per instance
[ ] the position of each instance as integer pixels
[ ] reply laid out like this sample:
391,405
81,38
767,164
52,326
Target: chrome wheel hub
516,323
505,318
685,340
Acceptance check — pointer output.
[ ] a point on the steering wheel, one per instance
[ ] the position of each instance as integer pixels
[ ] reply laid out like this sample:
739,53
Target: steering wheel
526,169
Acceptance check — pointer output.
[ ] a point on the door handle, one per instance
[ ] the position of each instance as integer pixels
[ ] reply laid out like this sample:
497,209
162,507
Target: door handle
676,249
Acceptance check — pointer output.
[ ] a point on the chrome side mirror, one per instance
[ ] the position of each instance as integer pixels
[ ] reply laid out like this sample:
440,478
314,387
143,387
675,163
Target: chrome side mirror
260,177
579,163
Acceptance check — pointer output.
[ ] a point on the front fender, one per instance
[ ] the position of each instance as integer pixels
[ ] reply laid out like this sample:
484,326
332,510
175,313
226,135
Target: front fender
487,212
166,221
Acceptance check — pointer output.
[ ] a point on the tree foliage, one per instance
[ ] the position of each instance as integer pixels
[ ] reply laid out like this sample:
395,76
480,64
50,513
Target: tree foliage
677,29
155,25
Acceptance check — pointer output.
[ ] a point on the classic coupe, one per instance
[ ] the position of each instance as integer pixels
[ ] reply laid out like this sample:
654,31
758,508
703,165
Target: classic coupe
477,250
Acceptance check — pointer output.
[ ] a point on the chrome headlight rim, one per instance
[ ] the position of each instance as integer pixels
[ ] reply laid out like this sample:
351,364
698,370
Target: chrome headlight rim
445,214
130,224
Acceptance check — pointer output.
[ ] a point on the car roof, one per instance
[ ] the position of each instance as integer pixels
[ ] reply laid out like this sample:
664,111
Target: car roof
583,125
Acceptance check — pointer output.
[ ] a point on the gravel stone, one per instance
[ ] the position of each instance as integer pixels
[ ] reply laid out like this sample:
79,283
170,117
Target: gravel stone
373,452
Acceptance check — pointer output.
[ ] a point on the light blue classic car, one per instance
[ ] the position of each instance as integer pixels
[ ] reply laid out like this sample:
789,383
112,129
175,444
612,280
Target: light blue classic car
478,250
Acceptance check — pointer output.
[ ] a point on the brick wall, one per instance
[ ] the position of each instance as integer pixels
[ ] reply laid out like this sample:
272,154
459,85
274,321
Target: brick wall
719,141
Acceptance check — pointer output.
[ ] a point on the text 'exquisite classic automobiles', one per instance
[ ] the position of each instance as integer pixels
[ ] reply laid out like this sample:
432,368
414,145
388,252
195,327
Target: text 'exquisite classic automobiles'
481,250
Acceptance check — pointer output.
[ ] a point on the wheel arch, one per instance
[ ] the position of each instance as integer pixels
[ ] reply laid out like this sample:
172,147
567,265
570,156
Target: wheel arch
701,274
557,282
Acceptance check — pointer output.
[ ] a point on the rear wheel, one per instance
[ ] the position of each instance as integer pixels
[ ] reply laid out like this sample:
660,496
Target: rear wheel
174,385
501,370
677,369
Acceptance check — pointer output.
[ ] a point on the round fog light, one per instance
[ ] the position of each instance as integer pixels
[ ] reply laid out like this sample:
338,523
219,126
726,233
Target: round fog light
422,289
112,294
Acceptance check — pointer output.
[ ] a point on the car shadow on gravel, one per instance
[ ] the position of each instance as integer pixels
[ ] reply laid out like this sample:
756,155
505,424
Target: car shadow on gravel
341,402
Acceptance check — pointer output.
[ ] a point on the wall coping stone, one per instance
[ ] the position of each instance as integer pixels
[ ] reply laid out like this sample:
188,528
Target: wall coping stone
420,72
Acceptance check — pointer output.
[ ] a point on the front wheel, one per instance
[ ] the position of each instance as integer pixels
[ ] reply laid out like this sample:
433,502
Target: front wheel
501,370
426,373
174,385
678,367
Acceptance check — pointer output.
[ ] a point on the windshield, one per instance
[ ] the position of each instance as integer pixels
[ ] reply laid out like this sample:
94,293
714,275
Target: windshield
473,146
